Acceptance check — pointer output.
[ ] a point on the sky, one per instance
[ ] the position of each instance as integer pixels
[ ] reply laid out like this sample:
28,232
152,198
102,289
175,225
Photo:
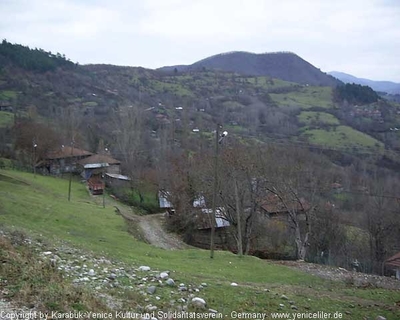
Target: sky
359,37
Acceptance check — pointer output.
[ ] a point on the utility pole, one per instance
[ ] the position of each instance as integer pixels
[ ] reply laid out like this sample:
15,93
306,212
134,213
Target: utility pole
70,171
239,222
218,140
214,193
34,157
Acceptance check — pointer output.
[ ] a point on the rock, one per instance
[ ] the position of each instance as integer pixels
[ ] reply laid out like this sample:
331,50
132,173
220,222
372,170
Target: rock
281,305
144,268
150,308
170,282
212,311
204,284
47,253
91,273
283,297
164,275
234,284
151,289
85,279
294,307
182,289
112,276
380,318
199,302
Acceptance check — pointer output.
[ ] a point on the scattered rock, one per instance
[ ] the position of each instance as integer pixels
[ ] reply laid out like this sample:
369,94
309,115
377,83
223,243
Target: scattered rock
380,318
91,273
144,268
112,276
234,284
170,282
47,253
164,275
199,302
283,297
151,289
294,307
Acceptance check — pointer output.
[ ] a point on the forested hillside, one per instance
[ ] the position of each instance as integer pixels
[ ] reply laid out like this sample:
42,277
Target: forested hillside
330,152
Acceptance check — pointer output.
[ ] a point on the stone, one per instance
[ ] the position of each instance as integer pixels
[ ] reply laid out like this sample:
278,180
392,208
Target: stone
150,308
199,302
170,282
91,273
164,275
144,268
112,276
234,284
281,305
151,289
204,284
283,297
294,307
47,253
212,310
380,318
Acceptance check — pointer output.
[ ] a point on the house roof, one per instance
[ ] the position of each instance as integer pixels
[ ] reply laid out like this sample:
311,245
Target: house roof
99,158
67,152
272,204
203,219
394,261
118,176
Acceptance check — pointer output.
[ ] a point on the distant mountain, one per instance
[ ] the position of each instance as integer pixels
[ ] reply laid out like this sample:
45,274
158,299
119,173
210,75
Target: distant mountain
281,65
381,86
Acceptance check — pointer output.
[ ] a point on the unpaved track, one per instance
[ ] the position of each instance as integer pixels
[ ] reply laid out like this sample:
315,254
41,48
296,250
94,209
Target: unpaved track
154,232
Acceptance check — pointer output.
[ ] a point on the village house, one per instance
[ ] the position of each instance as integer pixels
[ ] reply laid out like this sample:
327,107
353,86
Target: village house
96,167
273,207
62,161
394,264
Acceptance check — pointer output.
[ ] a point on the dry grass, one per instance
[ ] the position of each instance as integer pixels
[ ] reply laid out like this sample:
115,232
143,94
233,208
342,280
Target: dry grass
30,281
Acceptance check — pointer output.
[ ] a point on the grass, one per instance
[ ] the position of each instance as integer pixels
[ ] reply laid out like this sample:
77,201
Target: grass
8,94
342,137
40,206
305,98
6,119
31,281
312,117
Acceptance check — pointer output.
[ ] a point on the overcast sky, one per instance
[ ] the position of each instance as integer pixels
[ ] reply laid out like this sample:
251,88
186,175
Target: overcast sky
360,37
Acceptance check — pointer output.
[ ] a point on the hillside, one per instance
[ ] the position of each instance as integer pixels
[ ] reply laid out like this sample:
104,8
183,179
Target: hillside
280,65
380,86
249,106
98,258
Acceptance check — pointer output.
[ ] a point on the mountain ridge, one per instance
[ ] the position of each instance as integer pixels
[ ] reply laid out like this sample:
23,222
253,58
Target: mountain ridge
381,86
283,65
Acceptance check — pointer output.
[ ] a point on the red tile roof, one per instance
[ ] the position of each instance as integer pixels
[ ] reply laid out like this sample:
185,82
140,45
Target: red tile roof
394,261
99,158
272,204
67,152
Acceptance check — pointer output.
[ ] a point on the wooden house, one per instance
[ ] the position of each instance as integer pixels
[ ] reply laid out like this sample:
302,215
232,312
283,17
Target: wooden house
63,160
394,263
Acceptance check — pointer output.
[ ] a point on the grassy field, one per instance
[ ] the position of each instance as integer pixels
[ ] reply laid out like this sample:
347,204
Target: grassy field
39,206
8,95
6,119
305,98
312,117
342,137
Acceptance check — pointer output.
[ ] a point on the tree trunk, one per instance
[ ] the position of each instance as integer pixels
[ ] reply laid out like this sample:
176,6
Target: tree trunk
239,222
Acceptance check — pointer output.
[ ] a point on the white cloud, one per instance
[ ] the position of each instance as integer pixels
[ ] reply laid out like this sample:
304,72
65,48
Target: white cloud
360,37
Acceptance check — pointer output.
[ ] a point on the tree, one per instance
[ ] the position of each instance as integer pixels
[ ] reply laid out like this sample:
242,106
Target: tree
295,179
